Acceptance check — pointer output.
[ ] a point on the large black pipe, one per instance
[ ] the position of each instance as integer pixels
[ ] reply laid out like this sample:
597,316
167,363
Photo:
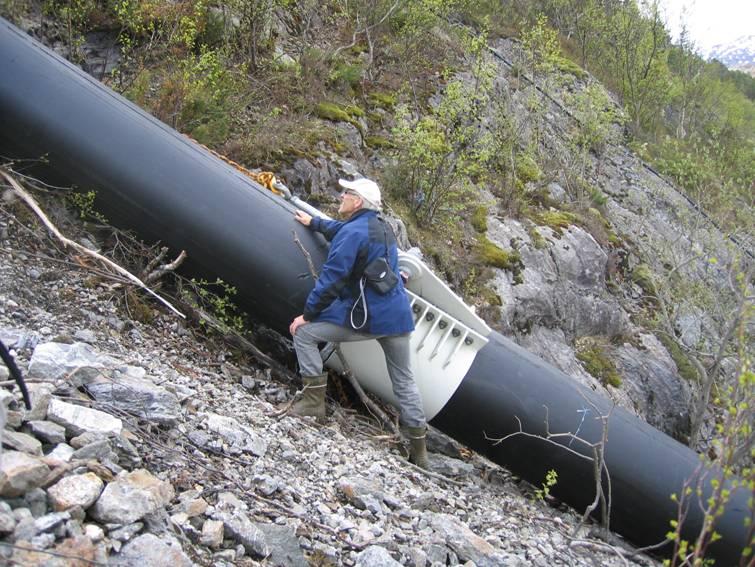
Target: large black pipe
152,179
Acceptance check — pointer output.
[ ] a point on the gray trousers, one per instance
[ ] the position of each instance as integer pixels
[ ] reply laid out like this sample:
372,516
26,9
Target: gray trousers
397,359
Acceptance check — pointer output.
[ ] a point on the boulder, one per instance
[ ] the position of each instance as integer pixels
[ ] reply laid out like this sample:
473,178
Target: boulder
20,472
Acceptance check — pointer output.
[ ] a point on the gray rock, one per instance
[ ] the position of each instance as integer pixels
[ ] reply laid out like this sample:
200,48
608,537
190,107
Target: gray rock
20,473
21,442
130,497
236,435
51,521
284,546
7,520
39,395
78,419
75,490
85,336
212,533
76,362
464,542
137,396
362,492
238,526
376,556
450,467
652,382
98,450
148,549
556,192
62,452
86,438
125,533
47,431
36,501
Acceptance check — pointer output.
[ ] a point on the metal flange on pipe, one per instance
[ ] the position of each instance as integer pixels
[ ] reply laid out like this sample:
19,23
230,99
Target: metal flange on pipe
477,386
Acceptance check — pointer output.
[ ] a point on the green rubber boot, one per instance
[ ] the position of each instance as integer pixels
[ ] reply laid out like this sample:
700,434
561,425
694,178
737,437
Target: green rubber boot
312,400
418,447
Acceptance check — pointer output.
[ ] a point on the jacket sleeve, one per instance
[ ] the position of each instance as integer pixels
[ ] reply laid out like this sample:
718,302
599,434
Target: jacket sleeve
328,228
334,275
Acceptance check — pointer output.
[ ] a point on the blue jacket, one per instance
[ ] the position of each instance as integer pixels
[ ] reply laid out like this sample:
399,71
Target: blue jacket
354,244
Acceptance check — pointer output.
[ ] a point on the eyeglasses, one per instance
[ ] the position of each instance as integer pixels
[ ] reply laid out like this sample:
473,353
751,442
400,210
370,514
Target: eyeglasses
350,194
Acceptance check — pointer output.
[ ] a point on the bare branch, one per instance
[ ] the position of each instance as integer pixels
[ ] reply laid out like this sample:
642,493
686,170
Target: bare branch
29,200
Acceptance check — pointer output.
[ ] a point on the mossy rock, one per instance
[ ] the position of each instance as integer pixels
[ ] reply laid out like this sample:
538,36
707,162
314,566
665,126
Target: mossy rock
683,364
568,66
643,277
379,143
593,353
537,239
383,100
492,255
354,111
480,219
557,220
527,170
333,112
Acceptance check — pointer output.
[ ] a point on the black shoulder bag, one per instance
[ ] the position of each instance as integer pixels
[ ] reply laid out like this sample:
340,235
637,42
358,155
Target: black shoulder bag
378,273
380,277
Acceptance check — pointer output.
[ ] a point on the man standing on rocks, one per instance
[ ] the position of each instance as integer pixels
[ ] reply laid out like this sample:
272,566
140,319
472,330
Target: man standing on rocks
347,305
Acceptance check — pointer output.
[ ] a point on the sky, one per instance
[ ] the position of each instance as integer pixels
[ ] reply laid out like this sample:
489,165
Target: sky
711,22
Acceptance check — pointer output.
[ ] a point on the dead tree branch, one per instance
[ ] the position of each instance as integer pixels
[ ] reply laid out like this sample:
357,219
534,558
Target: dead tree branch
32,204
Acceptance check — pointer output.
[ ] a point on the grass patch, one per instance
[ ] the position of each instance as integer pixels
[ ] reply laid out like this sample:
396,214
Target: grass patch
593,352
480,219
379,143
683,364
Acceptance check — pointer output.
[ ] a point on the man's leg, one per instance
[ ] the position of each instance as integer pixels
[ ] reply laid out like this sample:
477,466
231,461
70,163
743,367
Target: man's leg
307,338
398,359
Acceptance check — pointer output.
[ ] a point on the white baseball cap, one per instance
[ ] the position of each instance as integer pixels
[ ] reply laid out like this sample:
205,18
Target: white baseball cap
365,188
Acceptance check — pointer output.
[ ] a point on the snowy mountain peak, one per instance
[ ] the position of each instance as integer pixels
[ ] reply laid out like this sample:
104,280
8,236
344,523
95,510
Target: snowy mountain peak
738,54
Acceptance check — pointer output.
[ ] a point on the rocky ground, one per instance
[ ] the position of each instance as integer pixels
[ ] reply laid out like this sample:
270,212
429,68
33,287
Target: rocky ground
153,444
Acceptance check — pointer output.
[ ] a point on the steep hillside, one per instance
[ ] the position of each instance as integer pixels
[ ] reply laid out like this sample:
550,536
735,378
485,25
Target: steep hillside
523,180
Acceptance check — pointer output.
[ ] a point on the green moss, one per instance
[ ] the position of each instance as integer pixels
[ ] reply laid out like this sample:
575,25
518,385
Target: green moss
537,239
683,365
378,142
593,353
643,277
480,219
383,100
557,220
354,111
492,255
568,66
333,112
527,169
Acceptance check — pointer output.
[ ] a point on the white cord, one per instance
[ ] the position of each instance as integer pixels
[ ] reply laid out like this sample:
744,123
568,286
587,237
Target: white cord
363,299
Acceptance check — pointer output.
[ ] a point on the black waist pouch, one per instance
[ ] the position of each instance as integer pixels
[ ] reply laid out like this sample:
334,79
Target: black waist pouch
379,276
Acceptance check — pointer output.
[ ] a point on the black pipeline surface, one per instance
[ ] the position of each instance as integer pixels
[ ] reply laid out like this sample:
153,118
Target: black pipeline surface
150,178
646,466
153,180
